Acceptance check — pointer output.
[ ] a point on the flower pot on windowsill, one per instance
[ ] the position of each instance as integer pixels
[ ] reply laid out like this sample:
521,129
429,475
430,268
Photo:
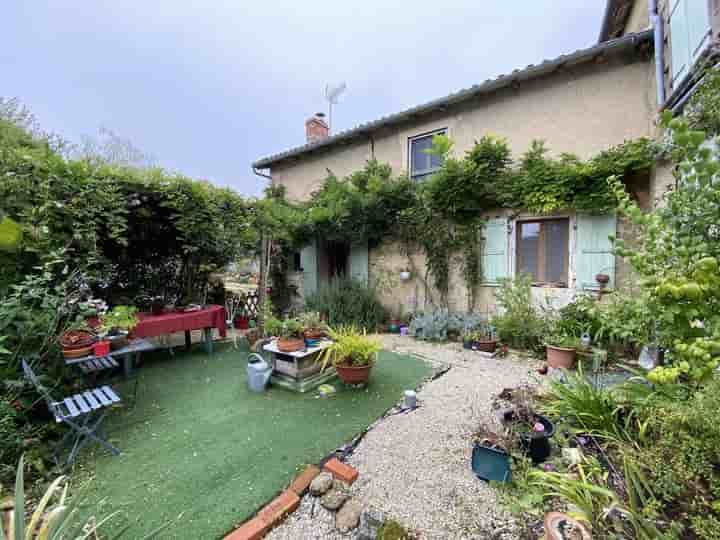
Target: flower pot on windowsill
560,357
350,374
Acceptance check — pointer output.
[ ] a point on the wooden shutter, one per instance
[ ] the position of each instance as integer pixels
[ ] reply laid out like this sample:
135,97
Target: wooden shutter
679,40
698,24
594,250
309,265
359,262
494,251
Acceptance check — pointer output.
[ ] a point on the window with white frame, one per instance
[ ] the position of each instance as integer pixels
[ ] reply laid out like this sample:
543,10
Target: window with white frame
542,248
423,163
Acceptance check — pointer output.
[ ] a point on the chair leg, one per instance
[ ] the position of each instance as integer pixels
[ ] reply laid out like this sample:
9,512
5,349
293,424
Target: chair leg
86,432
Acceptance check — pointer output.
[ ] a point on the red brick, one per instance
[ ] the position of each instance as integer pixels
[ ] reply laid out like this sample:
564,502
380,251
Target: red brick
254,529
303,480
280,507
341,471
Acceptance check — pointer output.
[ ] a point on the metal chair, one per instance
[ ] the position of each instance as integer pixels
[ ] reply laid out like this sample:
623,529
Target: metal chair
82,413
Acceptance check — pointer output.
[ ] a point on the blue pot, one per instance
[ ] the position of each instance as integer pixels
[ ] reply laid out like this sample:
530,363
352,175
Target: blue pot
490,464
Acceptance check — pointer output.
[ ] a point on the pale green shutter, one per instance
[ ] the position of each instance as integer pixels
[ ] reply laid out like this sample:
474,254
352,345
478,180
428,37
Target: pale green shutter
309,265
594,250
494,251
698,24
679,40
359,262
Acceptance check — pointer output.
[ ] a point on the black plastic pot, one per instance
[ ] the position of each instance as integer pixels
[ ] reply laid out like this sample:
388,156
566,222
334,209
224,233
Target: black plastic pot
537,446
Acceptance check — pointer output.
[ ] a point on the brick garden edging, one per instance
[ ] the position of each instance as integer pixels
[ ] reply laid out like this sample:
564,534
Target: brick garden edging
287,502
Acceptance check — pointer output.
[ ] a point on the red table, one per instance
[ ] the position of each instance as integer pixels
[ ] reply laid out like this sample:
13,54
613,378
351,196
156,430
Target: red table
205,319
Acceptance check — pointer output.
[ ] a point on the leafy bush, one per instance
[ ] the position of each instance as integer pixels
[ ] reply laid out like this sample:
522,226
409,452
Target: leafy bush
682,458
519,323
348,302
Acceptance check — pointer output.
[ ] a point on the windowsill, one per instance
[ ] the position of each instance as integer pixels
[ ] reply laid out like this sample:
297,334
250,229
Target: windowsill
556,285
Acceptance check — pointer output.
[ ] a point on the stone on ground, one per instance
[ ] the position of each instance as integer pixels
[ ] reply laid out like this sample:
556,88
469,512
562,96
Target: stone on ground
321,484
348,516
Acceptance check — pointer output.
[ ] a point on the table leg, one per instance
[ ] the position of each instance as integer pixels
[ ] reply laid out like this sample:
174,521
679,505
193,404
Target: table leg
127,364
208,340
188,340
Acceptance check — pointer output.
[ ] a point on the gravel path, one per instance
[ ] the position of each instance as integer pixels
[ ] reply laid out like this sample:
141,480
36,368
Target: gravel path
415,467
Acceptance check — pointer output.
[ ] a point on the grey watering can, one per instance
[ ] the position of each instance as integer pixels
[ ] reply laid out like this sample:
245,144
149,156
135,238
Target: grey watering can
258,372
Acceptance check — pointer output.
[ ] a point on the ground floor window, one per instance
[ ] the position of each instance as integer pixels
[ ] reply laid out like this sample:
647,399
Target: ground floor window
542,251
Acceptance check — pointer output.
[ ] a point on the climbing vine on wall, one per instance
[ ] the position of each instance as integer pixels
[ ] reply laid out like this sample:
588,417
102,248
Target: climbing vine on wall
444,214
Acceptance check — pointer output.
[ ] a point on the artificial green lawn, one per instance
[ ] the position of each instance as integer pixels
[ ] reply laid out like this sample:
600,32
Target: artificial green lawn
198,442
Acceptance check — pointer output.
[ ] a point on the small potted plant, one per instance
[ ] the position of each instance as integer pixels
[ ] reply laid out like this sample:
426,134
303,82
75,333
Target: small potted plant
561,350
481,339
314,328
77,342
532,430
115,325
352,354
288,333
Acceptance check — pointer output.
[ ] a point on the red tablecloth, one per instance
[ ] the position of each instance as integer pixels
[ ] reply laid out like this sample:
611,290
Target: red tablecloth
150,325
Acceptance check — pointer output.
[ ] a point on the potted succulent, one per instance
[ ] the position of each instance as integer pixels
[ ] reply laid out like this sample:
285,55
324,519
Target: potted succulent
288,333
352,354
561,350
115,325
314,327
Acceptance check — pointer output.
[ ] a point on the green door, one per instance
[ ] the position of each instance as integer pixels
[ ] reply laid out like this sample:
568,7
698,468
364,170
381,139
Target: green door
309,265
359,262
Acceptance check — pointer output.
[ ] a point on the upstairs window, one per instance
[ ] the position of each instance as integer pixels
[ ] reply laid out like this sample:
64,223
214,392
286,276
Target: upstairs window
542,251
423,164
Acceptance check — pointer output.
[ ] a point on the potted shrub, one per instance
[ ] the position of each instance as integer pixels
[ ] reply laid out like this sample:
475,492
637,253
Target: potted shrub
561,350
288,333
482,339
314,327
115,325
352,354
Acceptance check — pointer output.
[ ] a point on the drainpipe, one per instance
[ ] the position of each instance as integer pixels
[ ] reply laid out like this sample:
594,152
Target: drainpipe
657,24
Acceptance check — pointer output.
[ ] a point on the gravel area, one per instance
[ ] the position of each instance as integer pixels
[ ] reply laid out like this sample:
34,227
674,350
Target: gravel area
415,467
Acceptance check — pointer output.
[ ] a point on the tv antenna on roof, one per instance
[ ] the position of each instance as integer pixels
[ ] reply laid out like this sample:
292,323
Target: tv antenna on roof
332,93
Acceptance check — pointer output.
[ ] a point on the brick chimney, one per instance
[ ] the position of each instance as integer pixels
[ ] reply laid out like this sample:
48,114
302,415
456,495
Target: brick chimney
316,128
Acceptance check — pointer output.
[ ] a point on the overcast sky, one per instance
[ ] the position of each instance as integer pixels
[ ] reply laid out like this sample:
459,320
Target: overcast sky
208,87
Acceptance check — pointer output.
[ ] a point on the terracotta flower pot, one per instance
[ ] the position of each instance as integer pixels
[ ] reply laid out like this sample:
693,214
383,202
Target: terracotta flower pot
290,344
77,339
484,346
313,333
559,526
353,374
78,353
560,357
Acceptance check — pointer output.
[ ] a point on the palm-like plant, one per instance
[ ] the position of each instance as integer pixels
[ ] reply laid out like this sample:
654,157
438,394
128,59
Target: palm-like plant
52,522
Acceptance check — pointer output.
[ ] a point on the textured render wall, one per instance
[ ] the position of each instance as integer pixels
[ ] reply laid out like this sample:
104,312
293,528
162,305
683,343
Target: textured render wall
303,176
580,111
